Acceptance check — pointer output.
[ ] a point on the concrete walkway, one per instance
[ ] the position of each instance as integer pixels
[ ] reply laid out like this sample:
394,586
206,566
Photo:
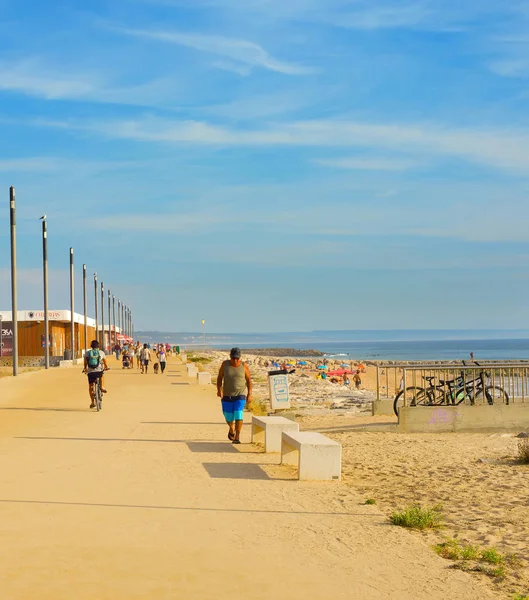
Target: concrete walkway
148,499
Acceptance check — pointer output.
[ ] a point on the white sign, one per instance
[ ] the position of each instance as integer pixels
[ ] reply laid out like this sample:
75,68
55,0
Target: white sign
279,397
38,315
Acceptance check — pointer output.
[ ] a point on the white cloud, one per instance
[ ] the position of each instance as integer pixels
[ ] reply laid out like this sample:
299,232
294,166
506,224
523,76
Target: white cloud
367,164
497,148
34,77
235,49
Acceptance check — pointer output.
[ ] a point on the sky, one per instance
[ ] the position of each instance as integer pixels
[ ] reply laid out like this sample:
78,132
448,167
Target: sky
271,165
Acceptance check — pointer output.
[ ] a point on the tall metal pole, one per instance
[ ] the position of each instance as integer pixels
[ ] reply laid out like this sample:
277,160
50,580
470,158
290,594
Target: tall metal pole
1,340
85,309
45,281
103,316
96,337
72,306
109,324
114,319
119,316
14,309
123,324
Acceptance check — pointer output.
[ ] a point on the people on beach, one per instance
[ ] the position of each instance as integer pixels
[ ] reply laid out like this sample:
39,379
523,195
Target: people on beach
162,359
117,350
346,380
234,387
145,358
472,356
357,379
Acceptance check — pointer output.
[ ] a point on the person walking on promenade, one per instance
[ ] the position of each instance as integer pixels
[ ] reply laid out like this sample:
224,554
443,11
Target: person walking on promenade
162,359
145,358
233,381
117,351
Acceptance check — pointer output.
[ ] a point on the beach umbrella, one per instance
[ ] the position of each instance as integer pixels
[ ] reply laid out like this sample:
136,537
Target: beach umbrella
322,367
302,362
344,365
340,372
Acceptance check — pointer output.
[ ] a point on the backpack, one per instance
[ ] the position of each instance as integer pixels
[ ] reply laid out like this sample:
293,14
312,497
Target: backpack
93,358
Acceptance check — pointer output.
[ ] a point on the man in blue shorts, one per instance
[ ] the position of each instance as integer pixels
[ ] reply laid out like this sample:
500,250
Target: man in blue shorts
234,386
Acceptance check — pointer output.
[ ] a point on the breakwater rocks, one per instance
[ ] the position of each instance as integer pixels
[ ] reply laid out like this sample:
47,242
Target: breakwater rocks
280,352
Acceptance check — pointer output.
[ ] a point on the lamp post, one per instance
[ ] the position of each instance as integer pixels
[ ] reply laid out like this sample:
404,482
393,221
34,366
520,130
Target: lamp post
14,309
1,337
103,316
45,284
85,309
114,319
204,334
109,324
72,306
95,304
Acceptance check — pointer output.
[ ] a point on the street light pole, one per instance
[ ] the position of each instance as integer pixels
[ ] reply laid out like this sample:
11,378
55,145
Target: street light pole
45,282
72,306
14,308
96,311
85,308
109,324
114,319
103,316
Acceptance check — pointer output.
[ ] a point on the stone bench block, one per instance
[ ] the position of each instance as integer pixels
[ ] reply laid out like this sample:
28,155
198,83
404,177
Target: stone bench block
268,431
316,456
204,378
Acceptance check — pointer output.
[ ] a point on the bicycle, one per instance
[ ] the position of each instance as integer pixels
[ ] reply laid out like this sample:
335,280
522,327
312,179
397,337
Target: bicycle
452,392
98,392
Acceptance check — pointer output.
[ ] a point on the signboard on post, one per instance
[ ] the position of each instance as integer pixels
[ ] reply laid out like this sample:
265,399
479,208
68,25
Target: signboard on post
278,386
7,338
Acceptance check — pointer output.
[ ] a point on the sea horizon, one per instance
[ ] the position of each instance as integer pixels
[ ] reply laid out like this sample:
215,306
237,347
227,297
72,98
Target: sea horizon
406,344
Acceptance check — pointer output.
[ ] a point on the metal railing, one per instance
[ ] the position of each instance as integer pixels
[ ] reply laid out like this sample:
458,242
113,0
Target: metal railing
454,383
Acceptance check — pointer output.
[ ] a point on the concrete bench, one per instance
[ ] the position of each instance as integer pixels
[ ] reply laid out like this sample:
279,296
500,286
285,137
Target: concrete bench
204,378
192,371
268,430
316,456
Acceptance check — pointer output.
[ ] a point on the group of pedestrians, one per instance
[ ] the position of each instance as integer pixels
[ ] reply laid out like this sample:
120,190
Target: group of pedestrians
141,356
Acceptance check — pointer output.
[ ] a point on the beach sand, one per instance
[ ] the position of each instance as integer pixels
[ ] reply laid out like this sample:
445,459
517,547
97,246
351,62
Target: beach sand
483,491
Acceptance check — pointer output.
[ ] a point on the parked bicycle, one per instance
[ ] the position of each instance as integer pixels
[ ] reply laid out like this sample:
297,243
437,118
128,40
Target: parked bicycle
452,392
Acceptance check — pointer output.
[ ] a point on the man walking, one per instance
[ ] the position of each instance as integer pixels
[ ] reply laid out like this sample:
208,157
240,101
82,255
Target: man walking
232,382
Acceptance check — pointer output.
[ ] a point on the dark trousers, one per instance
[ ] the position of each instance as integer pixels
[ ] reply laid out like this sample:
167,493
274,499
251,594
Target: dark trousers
162,366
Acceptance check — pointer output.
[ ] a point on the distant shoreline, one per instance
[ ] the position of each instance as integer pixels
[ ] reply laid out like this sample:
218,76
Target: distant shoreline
279,352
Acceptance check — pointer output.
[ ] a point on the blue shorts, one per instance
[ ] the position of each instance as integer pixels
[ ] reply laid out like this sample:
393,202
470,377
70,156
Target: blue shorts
233,408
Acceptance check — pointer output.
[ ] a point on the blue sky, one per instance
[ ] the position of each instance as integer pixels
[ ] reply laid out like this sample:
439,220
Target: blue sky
272,165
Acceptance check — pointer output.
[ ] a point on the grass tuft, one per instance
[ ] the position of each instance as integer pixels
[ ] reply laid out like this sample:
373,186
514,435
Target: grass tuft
492,556
416,517
453,550
520,597
370,501
523,451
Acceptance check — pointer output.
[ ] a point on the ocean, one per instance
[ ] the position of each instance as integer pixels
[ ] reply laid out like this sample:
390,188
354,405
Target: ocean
398,345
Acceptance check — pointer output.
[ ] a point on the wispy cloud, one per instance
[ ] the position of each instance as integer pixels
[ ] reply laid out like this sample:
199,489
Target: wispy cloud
239,50
368,164
34,77
500,149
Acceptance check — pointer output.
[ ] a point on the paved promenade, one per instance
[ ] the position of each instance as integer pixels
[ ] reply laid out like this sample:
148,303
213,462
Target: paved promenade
149,500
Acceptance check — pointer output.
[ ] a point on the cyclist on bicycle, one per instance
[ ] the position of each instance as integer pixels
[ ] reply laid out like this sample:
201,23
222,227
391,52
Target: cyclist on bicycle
95,364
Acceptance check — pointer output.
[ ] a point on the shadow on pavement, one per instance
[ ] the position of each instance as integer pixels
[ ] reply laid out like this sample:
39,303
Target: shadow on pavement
211,447
79,439
190,508
44,408
234,471
178,383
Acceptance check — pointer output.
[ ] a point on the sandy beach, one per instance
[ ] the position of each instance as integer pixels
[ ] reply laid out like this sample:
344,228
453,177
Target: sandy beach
148,499
483,491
